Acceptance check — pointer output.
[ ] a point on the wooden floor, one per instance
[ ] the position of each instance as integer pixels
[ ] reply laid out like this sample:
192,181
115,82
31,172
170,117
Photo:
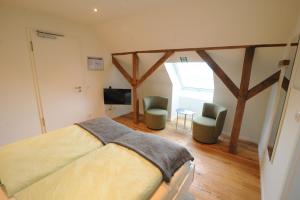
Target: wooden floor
218,174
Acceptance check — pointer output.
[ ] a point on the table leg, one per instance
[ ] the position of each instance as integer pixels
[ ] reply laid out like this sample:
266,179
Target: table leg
184,120
177,121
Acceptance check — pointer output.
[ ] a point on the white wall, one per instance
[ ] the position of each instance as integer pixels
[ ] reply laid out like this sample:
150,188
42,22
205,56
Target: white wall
274,173
18,107
277,176
297,32
175,90
292,191
199,23
196,23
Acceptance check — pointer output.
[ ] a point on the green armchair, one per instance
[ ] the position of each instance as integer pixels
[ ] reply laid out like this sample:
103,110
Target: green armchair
155,112
208,127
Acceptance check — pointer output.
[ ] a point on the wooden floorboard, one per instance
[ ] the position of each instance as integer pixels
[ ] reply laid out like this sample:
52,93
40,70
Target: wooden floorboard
219,175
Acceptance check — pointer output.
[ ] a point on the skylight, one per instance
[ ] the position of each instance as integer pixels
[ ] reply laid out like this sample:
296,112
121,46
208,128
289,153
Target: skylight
193,80
195,76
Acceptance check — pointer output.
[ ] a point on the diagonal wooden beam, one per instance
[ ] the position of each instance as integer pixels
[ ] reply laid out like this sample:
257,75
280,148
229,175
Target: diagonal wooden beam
219,72
241,103
121,69
270,81
263,85
155,66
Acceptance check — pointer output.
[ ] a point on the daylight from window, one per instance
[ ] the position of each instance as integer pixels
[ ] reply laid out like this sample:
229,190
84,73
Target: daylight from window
195,75
195,80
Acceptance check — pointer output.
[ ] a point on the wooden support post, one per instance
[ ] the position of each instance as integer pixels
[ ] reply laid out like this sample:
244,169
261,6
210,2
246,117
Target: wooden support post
135,101
241,102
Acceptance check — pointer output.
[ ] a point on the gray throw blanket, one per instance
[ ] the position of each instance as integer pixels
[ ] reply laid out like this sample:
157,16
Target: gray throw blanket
164,154
105,129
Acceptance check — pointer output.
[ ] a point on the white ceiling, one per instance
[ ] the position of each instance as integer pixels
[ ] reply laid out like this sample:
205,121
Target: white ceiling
82,10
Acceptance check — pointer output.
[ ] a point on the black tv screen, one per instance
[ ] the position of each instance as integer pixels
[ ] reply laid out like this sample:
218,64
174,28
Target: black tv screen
117,96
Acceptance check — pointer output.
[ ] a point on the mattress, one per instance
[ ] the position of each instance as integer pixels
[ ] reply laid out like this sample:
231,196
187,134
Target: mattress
176,189
27,161
111,172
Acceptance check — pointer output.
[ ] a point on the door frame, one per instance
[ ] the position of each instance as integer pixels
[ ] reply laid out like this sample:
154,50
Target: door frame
29,32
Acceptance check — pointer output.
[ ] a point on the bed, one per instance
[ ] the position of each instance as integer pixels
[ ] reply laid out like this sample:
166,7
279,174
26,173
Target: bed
71,163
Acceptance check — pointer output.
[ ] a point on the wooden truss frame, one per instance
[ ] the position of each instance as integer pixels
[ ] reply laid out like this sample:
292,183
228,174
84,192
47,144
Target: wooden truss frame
242,93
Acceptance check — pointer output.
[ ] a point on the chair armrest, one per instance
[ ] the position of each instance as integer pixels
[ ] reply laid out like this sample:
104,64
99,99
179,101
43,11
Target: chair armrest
220,120
164,103
146,104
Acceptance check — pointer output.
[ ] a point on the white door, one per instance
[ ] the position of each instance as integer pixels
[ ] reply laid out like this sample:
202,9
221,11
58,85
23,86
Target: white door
60,79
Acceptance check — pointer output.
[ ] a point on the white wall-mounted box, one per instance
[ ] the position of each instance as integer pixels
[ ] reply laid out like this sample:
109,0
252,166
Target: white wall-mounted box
95,64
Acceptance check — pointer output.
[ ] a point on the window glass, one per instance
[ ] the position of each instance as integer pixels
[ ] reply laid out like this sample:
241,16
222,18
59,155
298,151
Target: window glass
195,75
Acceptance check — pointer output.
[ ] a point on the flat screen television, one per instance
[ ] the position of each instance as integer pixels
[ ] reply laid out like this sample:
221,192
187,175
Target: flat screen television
117,96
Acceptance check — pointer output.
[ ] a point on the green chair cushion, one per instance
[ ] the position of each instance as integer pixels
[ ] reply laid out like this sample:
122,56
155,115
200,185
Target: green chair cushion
157,112
206,121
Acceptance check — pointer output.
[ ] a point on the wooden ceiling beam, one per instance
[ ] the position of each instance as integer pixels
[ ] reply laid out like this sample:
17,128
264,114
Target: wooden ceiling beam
206,48
154,67
122,70
241,103
219,72
263,85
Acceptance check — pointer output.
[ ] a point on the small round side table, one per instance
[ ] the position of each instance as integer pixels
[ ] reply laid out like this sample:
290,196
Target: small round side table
184,112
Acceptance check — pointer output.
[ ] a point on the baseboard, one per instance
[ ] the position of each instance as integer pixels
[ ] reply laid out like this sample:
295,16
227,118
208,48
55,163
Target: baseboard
241,139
